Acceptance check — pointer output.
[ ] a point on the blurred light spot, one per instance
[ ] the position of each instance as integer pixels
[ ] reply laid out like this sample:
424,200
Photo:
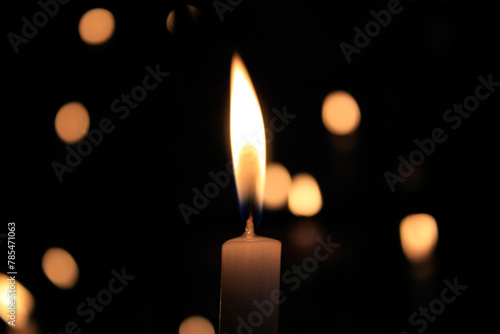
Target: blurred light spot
187,15
304,198
340,113
419,235
171,21
196,325
304,234
96,26
22,300
193,12
30,328
276,188
72,122
60,268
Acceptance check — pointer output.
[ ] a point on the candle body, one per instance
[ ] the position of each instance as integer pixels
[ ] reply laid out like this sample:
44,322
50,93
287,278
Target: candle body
250,279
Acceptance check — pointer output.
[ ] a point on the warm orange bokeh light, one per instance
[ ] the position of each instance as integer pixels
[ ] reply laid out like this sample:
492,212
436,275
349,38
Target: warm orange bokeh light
96,26
72,122
248,143
24,302
171,21
192,11
196,325
30,328
60,268
304,197
419,235
278,182
340,113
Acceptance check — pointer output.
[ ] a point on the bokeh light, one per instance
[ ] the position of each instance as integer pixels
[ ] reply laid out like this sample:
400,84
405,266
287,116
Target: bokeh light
72,122
196,325
278,182
171,21
96,26
340,113
304,197
24,302
60,268
419,235
30,328
189,15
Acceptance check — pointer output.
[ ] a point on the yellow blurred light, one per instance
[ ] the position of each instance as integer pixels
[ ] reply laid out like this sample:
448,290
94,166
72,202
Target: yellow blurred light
72,122
60,268
340,113
248,148
196,325
419,235
278,182
304,197
96,26
22,300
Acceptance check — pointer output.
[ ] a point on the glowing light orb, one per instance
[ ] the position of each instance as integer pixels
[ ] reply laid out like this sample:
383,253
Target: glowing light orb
96,26
340,113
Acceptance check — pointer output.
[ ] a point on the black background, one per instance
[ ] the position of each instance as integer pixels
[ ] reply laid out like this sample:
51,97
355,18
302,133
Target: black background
119,207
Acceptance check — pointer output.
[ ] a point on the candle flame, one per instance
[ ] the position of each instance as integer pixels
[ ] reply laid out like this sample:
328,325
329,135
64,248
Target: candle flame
248,142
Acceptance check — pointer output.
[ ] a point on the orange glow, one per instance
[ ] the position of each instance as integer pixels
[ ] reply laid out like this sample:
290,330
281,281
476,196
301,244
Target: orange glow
22,299
171,21
278,183
248,143
192,12
419,235
340,113
196,325
30,328
72,122
96,26
60,268
304,198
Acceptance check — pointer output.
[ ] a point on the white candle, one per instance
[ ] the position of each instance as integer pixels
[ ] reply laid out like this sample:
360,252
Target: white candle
250,264
249,300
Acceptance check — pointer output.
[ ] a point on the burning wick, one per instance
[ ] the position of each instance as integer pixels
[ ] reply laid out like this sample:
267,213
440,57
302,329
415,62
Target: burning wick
249,232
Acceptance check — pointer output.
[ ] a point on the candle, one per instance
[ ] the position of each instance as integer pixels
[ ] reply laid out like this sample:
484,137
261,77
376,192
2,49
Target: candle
250,293
250,274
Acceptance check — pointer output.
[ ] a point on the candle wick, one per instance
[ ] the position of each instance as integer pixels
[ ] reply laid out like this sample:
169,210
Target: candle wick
249,231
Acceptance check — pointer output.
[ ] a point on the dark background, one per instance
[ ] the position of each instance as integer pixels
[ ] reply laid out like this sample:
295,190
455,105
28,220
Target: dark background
119,207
